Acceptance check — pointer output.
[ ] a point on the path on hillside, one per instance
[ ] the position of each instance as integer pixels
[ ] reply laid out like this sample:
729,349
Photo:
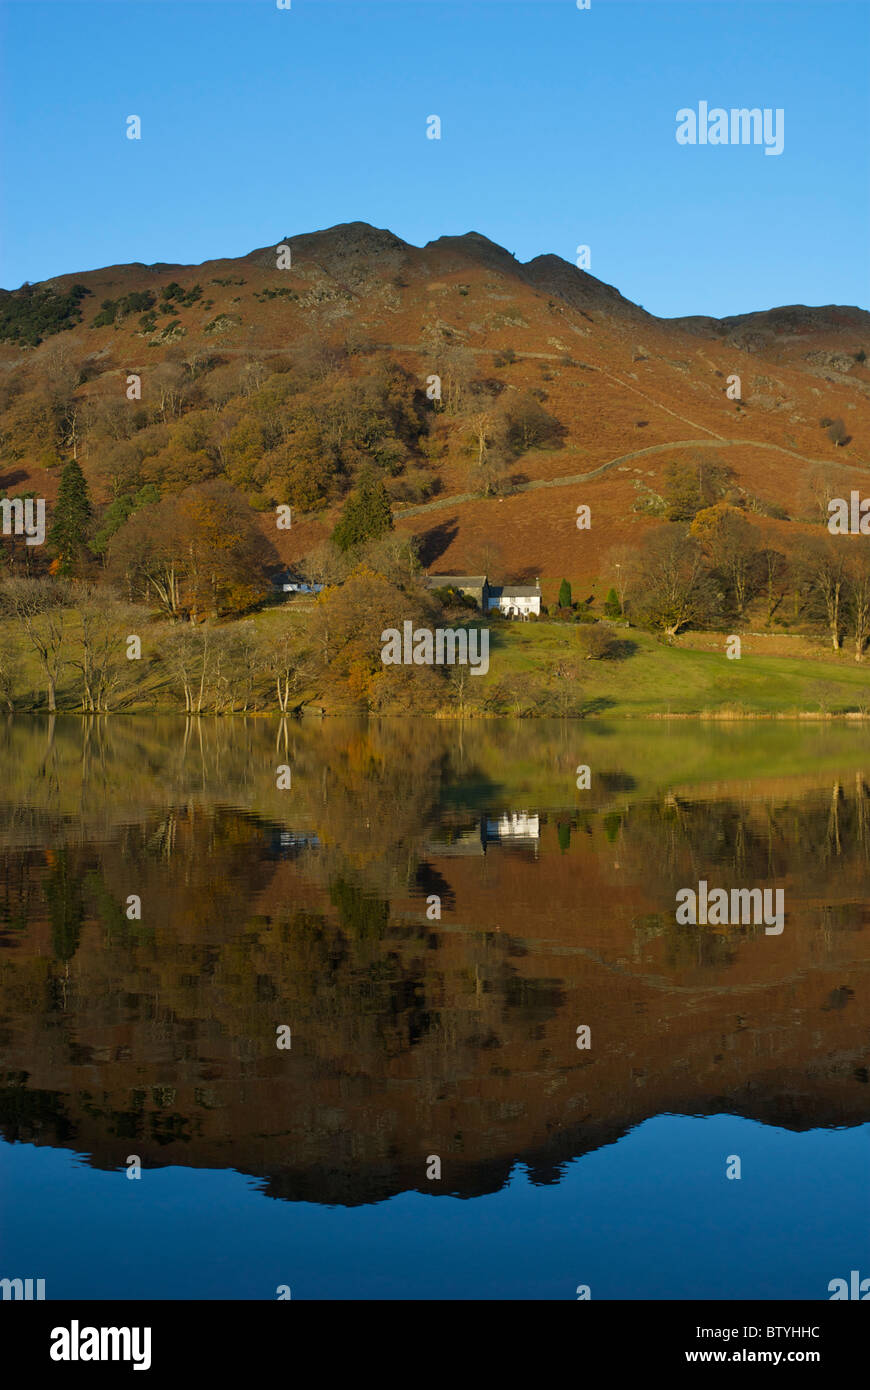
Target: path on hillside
538,356
573,479
557,357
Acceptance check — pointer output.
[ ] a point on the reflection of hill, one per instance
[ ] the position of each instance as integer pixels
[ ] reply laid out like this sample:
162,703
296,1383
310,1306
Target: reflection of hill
411,1036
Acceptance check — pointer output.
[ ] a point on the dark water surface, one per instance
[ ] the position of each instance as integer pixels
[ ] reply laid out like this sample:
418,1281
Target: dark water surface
418,1037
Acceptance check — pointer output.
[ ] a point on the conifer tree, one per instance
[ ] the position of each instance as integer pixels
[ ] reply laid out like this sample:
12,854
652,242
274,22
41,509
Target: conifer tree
612,606
72,513
366,516
564,594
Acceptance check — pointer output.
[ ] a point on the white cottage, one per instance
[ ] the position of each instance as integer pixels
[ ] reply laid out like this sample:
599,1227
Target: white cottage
515,600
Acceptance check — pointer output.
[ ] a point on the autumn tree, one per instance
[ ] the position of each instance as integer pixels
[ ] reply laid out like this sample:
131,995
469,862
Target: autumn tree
147,556
236,662
226,559
489,447
117,512
837,433
10,668
326,564
347,626
691,485
673,582
729,542
200,552
529,426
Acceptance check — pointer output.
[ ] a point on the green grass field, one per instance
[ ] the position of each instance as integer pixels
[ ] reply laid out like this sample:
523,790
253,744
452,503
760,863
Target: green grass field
661,679
650,679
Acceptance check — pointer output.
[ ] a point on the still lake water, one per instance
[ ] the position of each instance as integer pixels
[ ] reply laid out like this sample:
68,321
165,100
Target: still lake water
413,1035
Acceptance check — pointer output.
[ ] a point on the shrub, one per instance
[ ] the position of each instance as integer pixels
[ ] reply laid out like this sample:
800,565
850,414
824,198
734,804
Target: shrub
596,643
837,433
28,315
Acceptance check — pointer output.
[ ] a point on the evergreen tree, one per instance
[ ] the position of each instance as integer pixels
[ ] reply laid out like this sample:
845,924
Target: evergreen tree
72,514
612,606
564,594
366,516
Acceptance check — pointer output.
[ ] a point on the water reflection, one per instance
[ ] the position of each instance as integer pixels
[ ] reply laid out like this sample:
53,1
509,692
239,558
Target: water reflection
433,912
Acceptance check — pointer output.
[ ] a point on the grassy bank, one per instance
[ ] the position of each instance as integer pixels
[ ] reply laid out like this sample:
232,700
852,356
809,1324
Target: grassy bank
653,678
777,675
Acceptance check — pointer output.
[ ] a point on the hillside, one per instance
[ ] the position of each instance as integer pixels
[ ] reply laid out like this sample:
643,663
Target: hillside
235,340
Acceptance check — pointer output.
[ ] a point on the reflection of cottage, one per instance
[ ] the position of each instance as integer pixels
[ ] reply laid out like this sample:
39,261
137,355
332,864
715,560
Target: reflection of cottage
510,829
515,600
455,844
288,844
512,600
513,828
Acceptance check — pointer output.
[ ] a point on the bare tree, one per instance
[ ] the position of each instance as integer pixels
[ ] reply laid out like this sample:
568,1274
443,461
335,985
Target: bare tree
564,694
775,572
620,569
858,580
286,661
99,650
673,584
189,655
823,564
10,670
40,607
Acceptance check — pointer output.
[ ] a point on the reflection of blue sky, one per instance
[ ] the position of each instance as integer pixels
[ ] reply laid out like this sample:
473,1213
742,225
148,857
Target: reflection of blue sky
652,1216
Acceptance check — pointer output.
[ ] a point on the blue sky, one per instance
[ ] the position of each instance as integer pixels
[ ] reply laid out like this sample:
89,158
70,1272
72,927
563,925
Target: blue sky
558,129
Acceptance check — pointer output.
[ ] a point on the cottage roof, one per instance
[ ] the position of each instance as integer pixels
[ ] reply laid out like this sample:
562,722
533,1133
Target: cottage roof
515,591
455,581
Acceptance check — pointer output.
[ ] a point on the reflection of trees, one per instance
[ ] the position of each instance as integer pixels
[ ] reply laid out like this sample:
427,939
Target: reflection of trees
263,907
63,893
818,844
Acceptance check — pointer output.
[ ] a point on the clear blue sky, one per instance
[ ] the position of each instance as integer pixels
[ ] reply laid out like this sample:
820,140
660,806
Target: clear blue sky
558,129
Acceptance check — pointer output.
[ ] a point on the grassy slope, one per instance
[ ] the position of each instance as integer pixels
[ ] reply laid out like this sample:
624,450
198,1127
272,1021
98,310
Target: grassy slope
661,679
654,679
